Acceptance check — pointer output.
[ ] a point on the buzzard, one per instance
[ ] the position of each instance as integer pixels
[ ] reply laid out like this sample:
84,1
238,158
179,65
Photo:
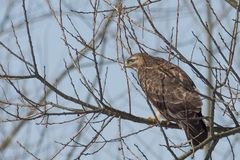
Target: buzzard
172,92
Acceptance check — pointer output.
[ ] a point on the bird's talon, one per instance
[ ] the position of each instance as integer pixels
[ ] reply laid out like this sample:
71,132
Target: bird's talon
152,120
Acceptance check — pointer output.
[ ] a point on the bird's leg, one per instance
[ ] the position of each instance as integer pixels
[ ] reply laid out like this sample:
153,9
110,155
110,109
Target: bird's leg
153,120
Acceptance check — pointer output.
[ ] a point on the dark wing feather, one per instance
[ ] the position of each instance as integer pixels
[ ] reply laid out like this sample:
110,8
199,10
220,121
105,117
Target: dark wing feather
174,94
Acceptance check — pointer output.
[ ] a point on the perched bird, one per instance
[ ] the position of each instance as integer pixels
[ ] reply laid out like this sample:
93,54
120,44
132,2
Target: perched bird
172,92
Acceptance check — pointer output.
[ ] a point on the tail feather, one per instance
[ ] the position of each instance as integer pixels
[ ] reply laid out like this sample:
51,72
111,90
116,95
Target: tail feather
195,130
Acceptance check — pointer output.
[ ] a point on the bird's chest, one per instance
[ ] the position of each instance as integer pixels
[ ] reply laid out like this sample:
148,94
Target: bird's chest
151,81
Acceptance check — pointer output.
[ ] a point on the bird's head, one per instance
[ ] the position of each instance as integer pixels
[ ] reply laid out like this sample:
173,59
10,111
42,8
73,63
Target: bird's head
136,60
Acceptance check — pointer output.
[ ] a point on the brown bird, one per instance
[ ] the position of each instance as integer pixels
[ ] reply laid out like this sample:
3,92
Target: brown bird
172,92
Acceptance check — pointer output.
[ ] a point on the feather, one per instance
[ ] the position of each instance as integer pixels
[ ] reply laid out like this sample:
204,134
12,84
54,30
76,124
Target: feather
173,93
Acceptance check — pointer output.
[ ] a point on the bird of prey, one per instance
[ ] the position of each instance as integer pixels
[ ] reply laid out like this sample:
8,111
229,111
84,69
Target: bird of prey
172,92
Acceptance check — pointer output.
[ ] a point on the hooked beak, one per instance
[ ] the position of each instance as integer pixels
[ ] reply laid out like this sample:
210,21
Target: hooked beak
126,64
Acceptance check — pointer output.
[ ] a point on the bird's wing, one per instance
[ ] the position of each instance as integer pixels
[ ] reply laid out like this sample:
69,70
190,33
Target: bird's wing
170,85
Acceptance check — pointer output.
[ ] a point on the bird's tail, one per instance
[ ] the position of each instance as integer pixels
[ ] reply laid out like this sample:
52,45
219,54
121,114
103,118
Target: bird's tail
196,130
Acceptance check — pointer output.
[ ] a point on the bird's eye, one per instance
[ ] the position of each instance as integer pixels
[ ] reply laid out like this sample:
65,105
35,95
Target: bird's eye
130,60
